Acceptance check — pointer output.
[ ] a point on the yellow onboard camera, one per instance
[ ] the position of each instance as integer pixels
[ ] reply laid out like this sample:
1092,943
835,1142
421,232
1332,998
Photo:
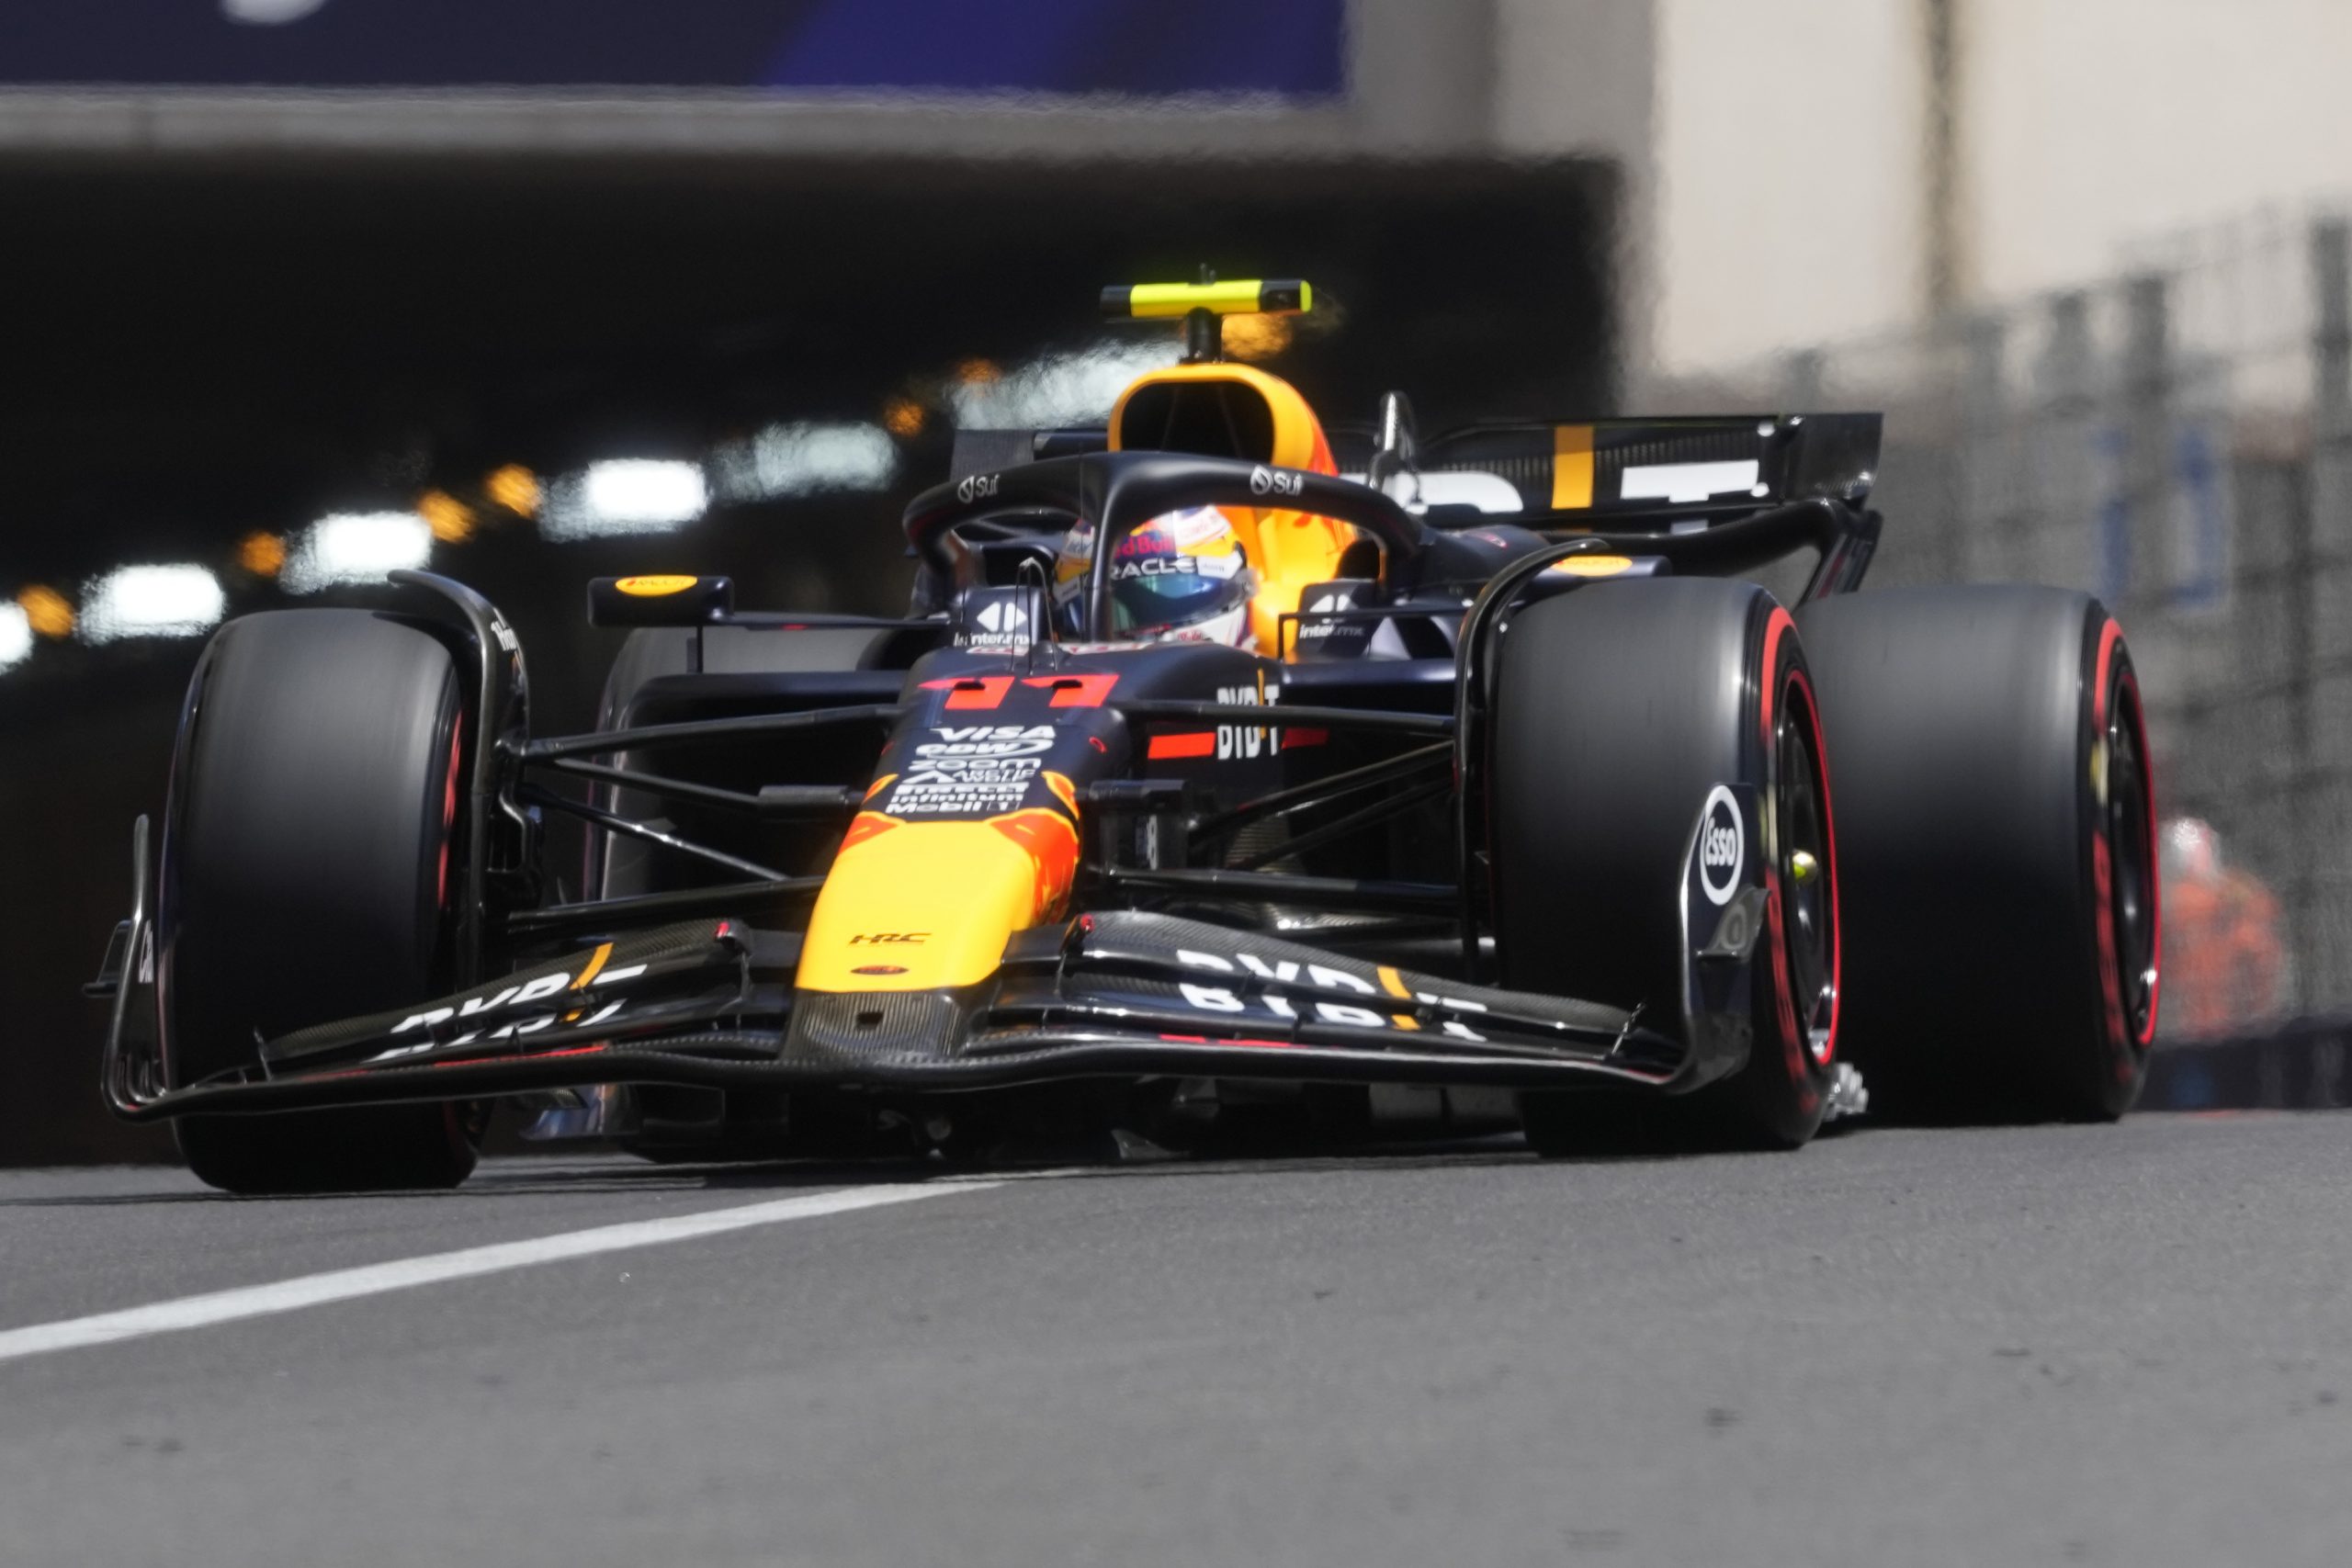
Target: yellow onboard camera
1202,306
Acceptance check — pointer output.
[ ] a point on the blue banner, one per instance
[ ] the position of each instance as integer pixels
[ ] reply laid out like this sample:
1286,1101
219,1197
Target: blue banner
1286,47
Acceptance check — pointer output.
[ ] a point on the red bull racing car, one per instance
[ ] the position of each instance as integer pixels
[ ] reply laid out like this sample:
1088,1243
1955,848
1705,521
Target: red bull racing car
1224,774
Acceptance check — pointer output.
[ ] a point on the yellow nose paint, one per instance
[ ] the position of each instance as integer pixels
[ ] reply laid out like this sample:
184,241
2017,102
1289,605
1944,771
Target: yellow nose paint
928,905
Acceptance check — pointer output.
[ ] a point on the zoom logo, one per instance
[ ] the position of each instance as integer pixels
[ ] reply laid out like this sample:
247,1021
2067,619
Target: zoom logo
1723,846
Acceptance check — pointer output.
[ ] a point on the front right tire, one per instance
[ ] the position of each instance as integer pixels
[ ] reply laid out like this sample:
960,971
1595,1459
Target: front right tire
306,876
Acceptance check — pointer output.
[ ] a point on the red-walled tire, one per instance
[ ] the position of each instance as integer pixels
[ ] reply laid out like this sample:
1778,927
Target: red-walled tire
305,877
1618,708
1997,817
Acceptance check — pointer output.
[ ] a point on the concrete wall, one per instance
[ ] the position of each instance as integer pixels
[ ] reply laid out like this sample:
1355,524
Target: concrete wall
2096,124
1790,150
1788,141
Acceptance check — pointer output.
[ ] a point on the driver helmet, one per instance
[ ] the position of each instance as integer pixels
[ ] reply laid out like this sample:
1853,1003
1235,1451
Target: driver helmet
1183,577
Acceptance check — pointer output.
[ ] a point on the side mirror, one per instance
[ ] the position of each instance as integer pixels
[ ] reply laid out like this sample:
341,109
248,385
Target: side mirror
667,600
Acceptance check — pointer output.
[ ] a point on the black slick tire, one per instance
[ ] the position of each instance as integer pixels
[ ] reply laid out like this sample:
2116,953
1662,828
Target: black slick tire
1998,815
306,877
1618,708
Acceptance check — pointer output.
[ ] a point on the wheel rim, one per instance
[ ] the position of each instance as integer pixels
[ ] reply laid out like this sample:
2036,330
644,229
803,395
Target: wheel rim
2132,845
1802,850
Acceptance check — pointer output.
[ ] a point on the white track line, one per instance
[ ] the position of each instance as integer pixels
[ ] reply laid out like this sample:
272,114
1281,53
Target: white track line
345,1284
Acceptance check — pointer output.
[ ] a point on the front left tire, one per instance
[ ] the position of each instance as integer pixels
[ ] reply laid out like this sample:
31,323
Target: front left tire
1618,709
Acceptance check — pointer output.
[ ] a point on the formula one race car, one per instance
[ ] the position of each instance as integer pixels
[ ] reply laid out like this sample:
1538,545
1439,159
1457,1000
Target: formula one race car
1205,787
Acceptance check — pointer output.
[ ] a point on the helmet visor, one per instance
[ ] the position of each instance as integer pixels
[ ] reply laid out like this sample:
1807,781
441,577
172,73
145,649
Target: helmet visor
1171,573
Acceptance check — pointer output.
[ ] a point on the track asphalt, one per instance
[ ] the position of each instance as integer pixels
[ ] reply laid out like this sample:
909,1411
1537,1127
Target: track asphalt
2122,1345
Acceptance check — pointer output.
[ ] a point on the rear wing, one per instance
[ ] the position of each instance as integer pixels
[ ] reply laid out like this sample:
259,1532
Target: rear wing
1574,476
1611,472
989,451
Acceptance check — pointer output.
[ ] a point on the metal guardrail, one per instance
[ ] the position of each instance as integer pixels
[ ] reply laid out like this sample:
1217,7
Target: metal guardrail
2298,1066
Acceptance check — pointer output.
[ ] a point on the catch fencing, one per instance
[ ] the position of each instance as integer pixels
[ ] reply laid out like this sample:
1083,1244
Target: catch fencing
2178,441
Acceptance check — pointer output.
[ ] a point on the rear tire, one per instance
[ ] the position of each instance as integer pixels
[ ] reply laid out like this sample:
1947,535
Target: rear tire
1618,708
1998,817
305,878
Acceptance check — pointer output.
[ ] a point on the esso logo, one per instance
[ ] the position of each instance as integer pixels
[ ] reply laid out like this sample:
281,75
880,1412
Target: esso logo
977,487
1723,846
1269,481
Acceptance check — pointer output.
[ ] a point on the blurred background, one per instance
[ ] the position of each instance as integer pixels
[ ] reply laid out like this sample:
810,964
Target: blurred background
529,290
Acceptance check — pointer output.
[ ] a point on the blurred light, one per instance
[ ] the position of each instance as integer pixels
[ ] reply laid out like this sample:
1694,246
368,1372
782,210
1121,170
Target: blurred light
800,459
357,547
151,600
451,520
627,495
515,488
268,12
47,610
1061,388
1256,337
904,417
262,554
979,372
16,635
